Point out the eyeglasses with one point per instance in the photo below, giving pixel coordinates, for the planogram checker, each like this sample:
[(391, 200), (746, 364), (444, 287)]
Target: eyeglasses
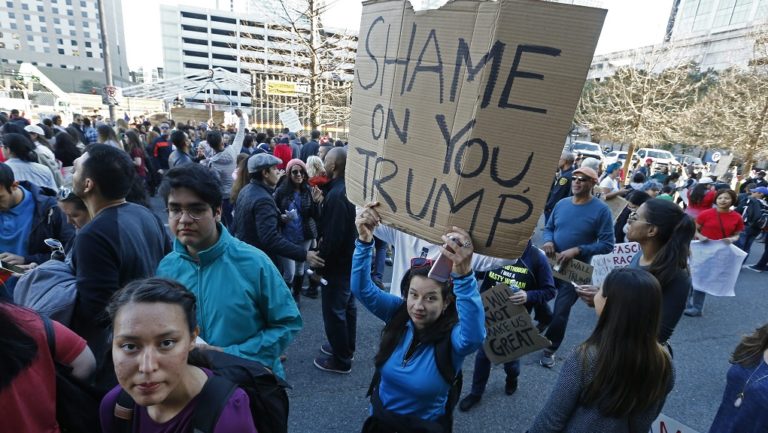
[(580, 179), (297, 173), (632, 218), (421, 262), (196, 213)]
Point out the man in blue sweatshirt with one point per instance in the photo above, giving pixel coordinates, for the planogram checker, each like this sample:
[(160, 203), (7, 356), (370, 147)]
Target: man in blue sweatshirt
[(579, 227)]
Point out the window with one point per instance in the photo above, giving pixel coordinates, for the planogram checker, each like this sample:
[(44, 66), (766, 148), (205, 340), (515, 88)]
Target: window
[(70, 12), (87, 45), (84, 14), (28, 27), (88, 54), (45, 39), (58, 31), (194, 41), (223, 20), (87, 35), (74, 43), (13, 26), (194, 28), (30, 38), (41, 18), (39, 8), (82, 4), (72, 33), (76, 53), (223, 32), (60, 41), (56, 21), (12, 15), (27, 17), (61, 50), (9, 4), (194, 15), (69, 2), (25, 6)]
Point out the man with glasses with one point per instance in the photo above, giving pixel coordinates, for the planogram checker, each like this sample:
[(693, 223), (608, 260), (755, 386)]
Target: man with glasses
[(579, 227), (257, 217), (123, 241), (244, 307)]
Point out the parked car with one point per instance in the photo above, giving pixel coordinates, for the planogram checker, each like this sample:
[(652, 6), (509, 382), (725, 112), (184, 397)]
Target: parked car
[(587, 149), (687, 160), (661, 158), (620, 156)]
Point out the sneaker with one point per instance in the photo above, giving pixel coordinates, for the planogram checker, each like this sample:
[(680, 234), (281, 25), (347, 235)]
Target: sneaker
[(510, 386), (326, 349), (547, 359), (755, 268), (329, 363), (692, 312), (467, 402)]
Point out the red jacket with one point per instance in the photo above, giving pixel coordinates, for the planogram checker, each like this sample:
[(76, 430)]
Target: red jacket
[(285, 153)]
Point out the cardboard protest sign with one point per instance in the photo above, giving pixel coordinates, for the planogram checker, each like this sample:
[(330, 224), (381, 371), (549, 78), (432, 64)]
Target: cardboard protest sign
[(459, 113), (616, 205), (723, 164), (665, 424), (509, 327), (620, 257), (573, 270)]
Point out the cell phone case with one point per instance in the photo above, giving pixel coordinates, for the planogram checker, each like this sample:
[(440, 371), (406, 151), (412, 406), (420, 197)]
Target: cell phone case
[(441, 269)]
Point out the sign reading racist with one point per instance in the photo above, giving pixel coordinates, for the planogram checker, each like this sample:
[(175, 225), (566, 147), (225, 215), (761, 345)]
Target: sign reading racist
[(509, 327), (620, 257), (459, 114)]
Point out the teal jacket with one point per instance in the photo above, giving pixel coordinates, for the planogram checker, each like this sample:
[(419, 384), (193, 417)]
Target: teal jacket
[(243, 304)]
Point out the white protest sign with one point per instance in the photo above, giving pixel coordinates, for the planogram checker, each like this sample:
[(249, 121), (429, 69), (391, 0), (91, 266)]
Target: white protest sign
[(459, 113), (665, 424), (620, 257), (290, 119), (715, 267)]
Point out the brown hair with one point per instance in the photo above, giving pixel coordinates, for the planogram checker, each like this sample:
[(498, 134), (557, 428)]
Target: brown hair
[(730, 192), (750, 350)]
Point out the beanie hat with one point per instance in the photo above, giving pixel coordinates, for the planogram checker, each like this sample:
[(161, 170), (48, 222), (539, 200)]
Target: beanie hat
[(295, 161)]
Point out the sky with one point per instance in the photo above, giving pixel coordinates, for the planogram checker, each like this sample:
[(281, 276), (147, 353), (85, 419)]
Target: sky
[(629, 24)]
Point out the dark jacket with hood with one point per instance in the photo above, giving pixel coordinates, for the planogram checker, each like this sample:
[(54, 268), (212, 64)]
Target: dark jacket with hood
[(47, 222)]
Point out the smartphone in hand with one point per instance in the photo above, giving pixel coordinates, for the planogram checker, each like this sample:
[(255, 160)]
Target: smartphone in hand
[(12, 268)]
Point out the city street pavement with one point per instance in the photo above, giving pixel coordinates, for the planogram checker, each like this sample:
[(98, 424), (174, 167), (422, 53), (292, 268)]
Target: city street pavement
[(327, 402)]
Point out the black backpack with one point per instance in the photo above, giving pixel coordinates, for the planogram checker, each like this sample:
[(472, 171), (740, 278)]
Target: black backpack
[(266, 392), (384, 420), (77, 403)]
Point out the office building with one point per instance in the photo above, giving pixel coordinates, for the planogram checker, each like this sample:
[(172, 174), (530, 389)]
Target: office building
[(63, 40)]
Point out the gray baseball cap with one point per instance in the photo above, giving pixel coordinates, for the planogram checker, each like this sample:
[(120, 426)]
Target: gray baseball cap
[(260, 161)]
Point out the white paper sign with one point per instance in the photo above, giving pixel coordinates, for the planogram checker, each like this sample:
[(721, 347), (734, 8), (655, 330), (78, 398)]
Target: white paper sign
[(290, 119), (665, 424), (715, 267), (620, 257)]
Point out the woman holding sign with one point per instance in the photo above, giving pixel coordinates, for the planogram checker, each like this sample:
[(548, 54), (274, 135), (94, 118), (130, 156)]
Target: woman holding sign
[(618, 380), (717, 224), (426, 337)]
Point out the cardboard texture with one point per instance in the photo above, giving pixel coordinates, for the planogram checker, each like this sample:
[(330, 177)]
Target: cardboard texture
[(723, 164), (290, 119), (459, 114), (509, 327), (573, 270), (616, 205)]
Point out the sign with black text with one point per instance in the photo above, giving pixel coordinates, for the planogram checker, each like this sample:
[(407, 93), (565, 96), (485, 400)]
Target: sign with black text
[(510, 333)]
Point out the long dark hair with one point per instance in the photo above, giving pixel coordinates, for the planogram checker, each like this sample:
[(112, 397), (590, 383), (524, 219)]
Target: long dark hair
[(285, 189), (17, 348), (632, 372), (21, 146), (750, 350), (133, 141), (698, 192), (675, 233), (395, 329)]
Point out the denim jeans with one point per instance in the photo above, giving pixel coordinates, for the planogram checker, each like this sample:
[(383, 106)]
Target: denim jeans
[(483, 371), (696, 300), (746, 238), (380, 249), (763, 262), (566, 297), (340, 317)]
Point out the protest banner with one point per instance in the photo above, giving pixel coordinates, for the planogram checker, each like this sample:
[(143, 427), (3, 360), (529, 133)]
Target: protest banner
[(459, 114), (665, 424), (290, 119), (510, 333), (616, 205), (715, 267), (620, 257), (573, 270), (723, 164)]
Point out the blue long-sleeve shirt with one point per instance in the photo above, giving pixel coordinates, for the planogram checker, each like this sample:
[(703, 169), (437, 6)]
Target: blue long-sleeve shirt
[(588, 226), (415, 386)]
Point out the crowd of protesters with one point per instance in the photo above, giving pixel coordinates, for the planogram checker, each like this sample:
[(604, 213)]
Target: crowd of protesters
[(258, 219)]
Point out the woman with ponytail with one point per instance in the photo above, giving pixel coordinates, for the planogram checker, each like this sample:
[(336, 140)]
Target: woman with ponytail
[(19, 152), (664, 233)]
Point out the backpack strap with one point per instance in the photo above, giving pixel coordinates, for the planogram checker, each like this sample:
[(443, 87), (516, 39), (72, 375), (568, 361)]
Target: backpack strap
[(50, 335), (211, 402)]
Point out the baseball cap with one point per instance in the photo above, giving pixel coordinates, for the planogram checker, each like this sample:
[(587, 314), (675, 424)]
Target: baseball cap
[(586, 171), (706, 180), (260, 161), (761, 189), (34, 129)]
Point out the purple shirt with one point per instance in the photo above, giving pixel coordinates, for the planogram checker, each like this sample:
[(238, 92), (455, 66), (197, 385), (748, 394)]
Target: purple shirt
[(235, 417)]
